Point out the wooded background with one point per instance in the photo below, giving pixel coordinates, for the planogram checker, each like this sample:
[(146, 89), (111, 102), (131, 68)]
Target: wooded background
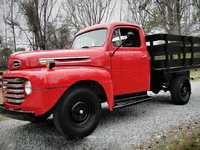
[(51, 24)]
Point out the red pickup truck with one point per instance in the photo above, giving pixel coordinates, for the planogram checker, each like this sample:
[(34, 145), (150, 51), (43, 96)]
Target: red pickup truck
[(112, 62)]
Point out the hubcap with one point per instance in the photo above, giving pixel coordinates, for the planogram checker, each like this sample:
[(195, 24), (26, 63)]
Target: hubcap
[(184, 89), (80, 112)]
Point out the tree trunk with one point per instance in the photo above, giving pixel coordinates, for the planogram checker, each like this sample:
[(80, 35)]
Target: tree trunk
[(13, 26), (178, 16)]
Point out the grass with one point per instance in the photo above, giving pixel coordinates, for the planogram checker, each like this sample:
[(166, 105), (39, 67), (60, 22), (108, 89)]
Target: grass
[(184, 137), (2, 118), (0, 78), (195, 74)]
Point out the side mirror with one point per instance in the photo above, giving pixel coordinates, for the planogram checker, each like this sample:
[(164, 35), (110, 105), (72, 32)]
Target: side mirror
[(130, 34)]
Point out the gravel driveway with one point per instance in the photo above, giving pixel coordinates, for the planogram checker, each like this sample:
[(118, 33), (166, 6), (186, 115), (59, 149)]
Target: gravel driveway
[(120, 129)]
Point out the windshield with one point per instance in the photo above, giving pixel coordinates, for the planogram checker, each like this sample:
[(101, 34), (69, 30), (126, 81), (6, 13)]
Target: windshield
[(94, 38)]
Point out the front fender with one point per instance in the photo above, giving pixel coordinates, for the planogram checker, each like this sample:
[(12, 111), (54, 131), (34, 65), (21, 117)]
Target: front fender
[(43, 96), (66, 77), (48, 85)]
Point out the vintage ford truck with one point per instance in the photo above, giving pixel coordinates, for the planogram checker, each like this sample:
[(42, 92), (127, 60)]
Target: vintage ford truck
[(112, 62)]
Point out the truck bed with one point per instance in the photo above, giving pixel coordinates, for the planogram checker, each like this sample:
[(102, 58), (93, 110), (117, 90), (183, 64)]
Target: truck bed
[(173, 53)]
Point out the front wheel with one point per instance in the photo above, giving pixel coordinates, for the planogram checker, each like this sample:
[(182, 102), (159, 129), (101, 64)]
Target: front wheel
[(78, 112), (180, 90)]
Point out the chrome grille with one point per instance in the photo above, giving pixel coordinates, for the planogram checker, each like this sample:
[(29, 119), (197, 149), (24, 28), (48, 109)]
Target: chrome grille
[(16, 63), (13, 90)]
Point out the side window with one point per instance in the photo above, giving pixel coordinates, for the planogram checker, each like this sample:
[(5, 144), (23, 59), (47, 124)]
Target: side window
[(120, 34)]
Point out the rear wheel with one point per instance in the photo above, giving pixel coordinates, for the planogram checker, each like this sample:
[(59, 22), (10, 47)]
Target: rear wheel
[(180, 89), (78, 112)]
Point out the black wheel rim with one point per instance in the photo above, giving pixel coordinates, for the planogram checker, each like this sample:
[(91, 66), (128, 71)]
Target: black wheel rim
[(184, 90), (80, 112)]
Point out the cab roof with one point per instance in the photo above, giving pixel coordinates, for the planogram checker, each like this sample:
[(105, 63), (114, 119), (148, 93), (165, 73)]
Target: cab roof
[(108, 25)]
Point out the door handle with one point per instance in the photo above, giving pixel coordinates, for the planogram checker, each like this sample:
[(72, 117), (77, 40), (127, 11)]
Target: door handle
[(144, 56)]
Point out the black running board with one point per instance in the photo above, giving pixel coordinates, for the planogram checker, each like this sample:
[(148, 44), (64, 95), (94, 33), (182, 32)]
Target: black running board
[(125, 102)]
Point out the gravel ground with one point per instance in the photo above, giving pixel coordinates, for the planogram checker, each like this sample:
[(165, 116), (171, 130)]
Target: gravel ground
[(120, 129)]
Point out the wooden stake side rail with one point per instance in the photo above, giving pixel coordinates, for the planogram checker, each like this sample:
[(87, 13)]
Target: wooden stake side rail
[(172, 53)]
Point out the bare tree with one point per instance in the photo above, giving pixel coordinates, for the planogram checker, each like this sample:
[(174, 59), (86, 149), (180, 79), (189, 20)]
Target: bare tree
[(1, 39), (4, 55), (12, 23), (41, 17), (59, 39), (84, 13), (174, 16), (142, 13), (10, 18), (196, 15)]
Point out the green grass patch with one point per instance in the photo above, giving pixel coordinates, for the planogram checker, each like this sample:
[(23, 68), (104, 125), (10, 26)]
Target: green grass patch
[(0, 78), (195, 74), (184, 137)]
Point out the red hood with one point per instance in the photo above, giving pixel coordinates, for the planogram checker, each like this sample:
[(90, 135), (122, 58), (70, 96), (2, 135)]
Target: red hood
[(86, 57)]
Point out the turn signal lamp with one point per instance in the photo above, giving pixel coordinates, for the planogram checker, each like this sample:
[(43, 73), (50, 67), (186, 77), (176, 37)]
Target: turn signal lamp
[(50, 64)]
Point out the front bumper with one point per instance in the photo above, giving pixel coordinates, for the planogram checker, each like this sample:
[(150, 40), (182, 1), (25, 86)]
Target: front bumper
[(17, 114)]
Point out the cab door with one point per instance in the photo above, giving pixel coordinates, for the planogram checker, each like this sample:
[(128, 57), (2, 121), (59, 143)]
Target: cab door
[(130, 64)]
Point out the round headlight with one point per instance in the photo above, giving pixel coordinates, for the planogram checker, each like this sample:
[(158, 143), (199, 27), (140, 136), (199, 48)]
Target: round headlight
[(28, 87)]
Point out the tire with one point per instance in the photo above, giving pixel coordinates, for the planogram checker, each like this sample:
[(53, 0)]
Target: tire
[(155, 90), (78, 112), (42, 117), (180, 90)]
